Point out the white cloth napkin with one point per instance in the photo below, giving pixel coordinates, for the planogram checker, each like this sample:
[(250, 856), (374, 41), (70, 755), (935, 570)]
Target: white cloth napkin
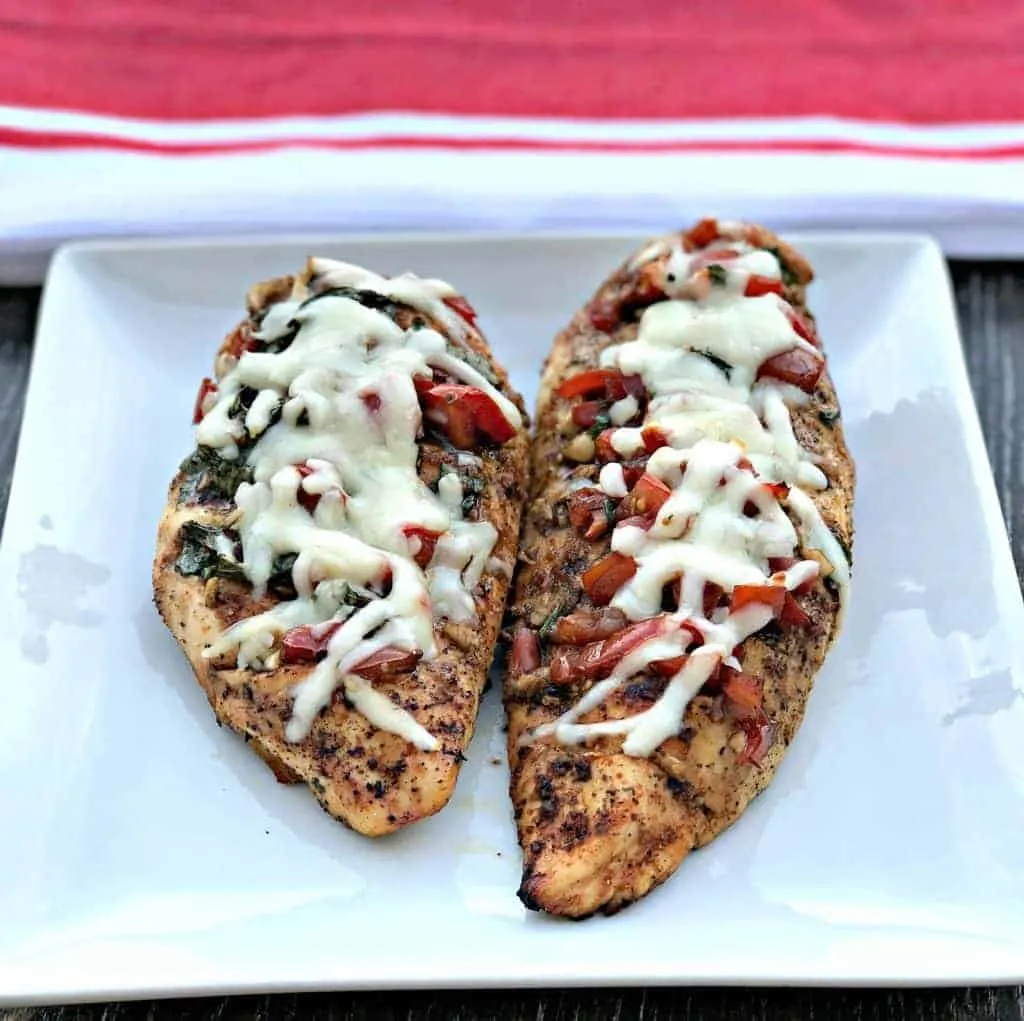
[(964, 185)]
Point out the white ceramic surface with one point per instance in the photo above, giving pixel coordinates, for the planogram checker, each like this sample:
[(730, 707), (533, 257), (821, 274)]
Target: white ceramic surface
[(145, 851)]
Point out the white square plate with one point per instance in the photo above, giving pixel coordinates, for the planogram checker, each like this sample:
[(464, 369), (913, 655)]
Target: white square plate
[(146, 852)]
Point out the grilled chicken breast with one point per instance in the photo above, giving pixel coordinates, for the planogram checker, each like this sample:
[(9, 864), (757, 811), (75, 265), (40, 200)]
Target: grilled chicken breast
[(335, 555), (684, 563)]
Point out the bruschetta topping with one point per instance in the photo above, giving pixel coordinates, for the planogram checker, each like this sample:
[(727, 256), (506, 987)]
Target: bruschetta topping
[(323, 403), (699, 488)]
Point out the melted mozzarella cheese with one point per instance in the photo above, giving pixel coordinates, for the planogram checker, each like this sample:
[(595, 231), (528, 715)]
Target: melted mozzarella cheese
[(612, 480), (623, 410), (818, 536), (728, 433), (675, 337), (350, 416)]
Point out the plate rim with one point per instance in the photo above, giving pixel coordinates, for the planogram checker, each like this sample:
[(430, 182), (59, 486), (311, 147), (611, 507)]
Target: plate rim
[(988, 500)]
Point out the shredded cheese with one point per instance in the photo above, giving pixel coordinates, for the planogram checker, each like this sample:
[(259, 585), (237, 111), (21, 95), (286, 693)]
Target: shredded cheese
[(336, 417), (729, 433)]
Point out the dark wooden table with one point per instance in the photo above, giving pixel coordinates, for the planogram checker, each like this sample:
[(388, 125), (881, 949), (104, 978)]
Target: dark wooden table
[(990, 300)]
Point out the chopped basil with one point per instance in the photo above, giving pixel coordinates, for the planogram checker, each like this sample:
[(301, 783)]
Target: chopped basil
[(549, 624), (276, 345), (281, 583), (356, 596), (472, 489), (368, 299), (242, 402), (719, 275), (719, 363), (843, 544), (474, 360), (472, 486), (602, 422), (829, 416), (210, 477), (200, 557), (609, 512)]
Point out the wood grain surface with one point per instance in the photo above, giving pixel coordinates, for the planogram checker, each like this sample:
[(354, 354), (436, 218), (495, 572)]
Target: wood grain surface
[(990, 303)]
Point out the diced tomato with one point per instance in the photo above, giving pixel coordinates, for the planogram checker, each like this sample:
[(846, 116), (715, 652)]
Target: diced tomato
[(300, 645), (780, 565), (797, 366), (772, 596), (701, 235), (774, 490), (205, 388), (599, 659), (744, 694), (604, 656), (305, 499), (712, 597), (632, 470), (713, 593), (591, 383), (464, 413), (525, 651), (606, 384), (583, 626), (564, 664), (711, 255), (802, 327), (427, 541), (604, 451), (604, 315), (461, 307), (648, 496), (588, 512), (757, 285), (387, 662), (487, 416), (241, 341), (371, 399), (585, 415), (696, 635), (782, 604), (632, 386), (669, 667), (582, 503), (643, 521), (760, 733), (793, 614), (654, 438), (442, 408), (607, 576), (645, 289)]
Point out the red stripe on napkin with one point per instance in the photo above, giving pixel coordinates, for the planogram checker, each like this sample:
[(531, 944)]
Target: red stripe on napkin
[(791, 146), (915, 61)]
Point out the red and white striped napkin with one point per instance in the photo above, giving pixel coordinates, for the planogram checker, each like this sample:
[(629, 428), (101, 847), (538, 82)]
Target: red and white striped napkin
[(131, 117)]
